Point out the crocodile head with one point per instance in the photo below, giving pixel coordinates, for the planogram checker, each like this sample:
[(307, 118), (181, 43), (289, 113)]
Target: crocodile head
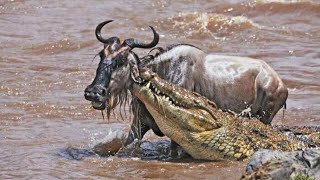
[(201, 129), (179, 113), (164, 99)]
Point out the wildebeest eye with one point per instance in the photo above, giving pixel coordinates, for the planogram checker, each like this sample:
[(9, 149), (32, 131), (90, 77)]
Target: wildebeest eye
[(119, 60)]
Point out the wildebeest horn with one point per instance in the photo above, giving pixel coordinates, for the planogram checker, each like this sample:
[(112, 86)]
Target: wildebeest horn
[(134, 43), (98, 32)]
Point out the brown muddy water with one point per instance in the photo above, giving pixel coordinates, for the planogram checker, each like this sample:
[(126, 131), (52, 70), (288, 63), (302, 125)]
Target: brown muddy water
[(46, 52)]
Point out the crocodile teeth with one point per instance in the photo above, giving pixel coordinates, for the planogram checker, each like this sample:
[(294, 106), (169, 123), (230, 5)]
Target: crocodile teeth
[(165, 98), (148, 85)]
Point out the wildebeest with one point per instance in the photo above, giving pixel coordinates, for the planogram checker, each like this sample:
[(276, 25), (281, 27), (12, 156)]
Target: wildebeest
[(242, 85)]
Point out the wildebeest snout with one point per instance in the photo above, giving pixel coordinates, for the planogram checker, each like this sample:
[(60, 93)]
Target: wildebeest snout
[(95, 93)]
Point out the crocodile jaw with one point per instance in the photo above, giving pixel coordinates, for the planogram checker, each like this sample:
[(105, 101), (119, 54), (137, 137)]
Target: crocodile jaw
[(178, 123), (186, 117)]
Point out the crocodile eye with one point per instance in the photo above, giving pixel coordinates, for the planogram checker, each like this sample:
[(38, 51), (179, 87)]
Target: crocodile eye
[(212, 103)]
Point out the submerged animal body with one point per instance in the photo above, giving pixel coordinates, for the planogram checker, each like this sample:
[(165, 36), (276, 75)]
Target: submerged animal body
[(203, 130), (238, 84)]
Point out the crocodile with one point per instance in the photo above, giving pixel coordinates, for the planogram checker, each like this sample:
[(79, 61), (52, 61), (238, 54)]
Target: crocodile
[(203, 130)]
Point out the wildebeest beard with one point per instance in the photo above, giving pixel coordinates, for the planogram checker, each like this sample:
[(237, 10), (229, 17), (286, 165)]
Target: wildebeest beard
[(121, 99)]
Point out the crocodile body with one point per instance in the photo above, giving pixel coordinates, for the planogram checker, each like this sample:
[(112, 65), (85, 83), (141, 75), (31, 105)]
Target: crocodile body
[(201, 129)]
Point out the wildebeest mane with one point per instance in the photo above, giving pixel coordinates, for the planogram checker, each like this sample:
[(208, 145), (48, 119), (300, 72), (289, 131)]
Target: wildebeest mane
[(180, 44), (122, 98), (148, 58)]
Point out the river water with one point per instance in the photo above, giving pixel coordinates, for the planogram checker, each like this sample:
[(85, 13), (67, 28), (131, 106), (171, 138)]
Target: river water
[(46, 52)]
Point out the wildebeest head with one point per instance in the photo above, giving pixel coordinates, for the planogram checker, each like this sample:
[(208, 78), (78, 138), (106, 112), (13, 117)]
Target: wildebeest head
[(117, 64)]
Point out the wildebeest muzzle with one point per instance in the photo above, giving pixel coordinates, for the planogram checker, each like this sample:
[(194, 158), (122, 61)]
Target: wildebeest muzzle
[(96, 92)]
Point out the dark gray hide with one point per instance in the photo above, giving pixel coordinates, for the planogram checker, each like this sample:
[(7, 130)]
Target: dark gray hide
[(268, 164)]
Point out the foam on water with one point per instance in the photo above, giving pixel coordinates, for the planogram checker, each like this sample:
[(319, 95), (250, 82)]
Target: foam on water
[(212, 24)]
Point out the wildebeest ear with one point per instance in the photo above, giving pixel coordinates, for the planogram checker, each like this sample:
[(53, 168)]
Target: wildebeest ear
[(146, 60)]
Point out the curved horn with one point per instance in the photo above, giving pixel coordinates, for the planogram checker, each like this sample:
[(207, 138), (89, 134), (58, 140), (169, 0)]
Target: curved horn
[(98, 32), (134, 43)]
